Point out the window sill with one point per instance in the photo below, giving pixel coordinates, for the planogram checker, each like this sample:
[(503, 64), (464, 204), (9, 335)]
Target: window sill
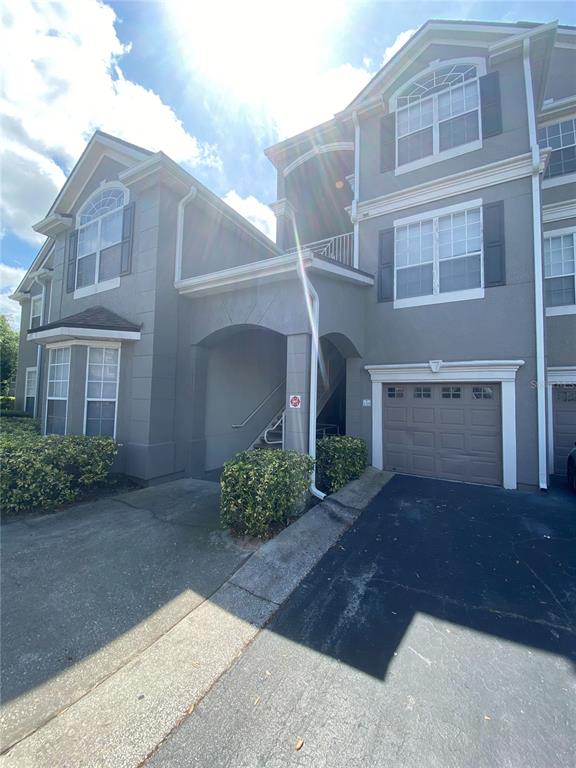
[(440, 298), (557, 181), (446, 155), (90, 290), (568, 309)]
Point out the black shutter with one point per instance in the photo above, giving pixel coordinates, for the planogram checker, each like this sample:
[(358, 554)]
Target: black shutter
[(127, 238), (71, 252), (491, 105), (494, 245), (388, 143), (386, 265)]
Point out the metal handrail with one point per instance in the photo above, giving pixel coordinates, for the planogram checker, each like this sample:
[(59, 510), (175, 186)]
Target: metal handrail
[(338, 248), (260, 405), (273, 428)]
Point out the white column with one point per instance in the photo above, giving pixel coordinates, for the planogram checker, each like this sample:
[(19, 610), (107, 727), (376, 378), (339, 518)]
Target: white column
[(377, 448), (509, 434)]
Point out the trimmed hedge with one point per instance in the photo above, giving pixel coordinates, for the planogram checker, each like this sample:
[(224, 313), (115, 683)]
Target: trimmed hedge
[(10, 413), (19, 425), (42, 473), (262, 490), (339, 460), (7, 402)]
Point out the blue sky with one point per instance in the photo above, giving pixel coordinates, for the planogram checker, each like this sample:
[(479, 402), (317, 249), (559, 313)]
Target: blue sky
[(210, 83)]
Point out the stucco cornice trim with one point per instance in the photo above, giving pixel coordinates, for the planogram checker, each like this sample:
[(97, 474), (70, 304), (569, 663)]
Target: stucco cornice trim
[(53, 225), (563, 374), (460, 183), (559, 211), (60, 334), (441, 371)]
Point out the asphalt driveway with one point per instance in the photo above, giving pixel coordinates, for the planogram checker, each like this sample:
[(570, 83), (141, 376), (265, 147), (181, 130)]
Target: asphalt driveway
[(87, 589), (439, 631)]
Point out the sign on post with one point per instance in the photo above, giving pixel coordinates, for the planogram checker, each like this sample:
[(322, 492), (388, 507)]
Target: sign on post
[(295, 401)]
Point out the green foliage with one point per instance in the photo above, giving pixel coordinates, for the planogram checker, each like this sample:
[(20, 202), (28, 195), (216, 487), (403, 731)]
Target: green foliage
[(42, 473), (18, 423), (8, 355), (339, 460), (7, 402), (263, 489)]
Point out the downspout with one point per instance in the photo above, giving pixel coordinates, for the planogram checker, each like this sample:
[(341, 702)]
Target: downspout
[(180, 232), (313, 306), (538, 275), (356, 189)]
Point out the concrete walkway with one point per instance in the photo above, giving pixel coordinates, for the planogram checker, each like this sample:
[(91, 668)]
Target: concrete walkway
[(117, 716)]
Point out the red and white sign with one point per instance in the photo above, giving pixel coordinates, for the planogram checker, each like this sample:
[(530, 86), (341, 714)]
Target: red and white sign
[(295, 401)]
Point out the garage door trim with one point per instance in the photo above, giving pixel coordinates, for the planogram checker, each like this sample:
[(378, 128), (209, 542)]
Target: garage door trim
[(501, 372)]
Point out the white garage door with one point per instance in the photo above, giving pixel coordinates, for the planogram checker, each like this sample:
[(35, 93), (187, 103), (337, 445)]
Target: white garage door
[(564, 425), (450, 431)]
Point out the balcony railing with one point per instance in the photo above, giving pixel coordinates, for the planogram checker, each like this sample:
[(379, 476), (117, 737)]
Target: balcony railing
[(339, 248)]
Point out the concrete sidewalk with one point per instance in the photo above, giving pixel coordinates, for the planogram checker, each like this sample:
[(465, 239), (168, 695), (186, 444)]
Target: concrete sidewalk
[(122, 720)]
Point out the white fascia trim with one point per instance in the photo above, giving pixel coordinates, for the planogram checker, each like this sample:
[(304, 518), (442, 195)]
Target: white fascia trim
[(460, 183), (438, 371), (80, 343), (337, 146), (439, 298), (275, 267), (152, 165), (569, 309), (559, 181), (53, 225), (333, 268), (462, 149), (512, 42), (90, 290), (55, 334), (558, 211)]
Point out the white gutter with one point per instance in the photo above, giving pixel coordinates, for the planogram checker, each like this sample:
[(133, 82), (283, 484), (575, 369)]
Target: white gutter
[(356, 189), (538, 276), (313, 307), (180, 232)]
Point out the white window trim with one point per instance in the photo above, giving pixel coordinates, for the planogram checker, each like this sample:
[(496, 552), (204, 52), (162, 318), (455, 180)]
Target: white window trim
[(559, 181), (501, 372), (441, 298), (107, 285), (38, 298), (90, 290), (555, 376), (99, 400), (26, 395), (567, 309), (62, 346), (437, 156)]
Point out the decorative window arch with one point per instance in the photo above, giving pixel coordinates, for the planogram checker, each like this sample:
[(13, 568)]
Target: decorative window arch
[(438, 113), (99, 229)]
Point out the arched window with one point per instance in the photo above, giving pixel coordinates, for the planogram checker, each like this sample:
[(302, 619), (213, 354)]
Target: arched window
[(436, 112), (100, 236)]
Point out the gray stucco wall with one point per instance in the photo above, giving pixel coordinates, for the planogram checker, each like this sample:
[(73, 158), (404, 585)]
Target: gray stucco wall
[(512, 141), (562, 74), (500, 326)]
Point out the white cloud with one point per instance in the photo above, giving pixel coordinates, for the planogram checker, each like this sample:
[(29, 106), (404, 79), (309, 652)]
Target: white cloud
[(277, 59), (252, 209), (400, 41), (61, 80), (10, 278)]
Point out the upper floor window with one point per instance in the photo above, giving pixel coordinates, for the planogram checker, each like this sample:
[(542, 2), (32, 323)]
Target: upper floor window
[(437, 255), (561, 138), (100, 237), (437, 112), (560, 272), (36, 311)]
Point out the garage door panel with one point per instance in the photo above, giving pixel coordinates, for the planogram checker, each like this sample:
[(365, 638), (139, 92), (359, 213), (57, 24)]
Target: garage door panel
[(452, 416), (564, 404), (455, 433)]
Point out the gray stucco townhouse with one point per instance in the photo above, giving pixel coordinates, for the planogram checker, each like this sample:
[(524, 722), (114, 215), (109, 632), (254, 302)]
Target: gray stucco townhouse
[(425, 234)]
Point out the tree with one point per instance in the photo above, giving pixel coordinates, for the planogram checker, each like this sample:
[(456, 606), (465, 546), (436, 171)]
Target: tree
[(8, 355)]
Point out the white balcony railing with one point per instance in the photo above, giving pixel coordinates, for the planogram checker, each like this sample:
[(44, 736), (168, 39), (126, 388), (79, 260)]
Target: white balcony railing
[(339, 248)]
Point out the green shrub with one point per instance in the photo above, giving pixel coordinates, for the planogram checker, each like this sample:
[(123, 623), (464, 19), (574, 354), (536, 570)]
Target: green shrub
[(7, 402), (18, 425), (339, 460), (42, 473), (263, 489), (10, 413)]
